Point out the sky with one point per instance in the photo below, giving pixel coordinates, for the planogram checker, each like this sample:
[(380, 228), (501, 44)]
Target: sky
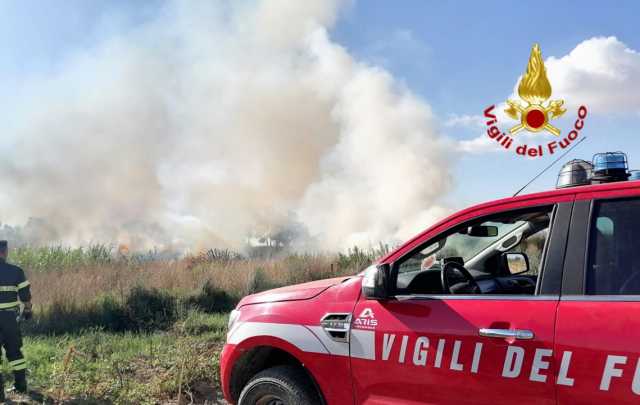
[(464, 56), (456, 57)]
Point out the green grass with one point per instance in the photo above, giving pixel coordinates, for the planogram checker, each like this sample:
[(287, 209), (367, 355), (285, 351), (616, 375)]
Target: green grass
[(61, 257), (128, 368)]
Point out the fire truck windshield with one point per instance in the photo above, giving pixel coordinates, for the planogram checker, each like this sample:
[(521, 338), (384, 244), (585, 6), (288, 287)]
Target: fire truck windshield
[(461, 244)]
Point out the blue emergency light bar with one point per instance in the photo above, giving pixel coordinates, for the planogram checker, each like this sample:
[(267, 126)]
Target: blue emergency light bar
[(610, 167), (604, 163)]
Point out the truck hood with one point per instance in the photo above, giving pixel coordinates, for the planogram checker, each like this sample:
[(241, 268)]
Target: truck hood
[(296, 292)]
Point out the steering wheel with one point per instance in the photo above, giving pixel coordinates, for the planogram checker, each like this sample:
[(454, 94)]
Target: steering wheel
[(444, 276)]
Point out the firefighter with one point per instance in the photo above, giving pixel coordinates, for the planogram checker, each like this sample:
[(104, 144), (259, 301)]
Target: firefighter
[(14, 288)]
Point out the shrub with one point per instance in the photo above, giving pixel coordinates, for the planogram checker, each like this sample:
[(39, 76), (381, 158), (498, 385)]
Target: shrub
[(211, 299), (260, 282), (110, 314), (150, 309), (213, 256), (63, 316)]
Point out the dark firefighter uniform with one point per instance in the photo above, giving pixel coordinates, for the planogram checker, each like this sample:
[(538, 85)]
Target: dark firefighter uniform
[(13, 287)]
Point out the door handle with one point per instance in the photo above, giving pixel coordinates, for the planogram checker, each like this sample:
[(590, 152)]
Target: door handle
[(507, 334)]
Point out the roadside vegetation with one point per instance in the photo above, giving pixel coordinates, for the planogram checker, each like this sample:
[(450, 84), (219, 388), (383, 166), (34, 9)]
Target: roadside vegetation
[(114, 327)]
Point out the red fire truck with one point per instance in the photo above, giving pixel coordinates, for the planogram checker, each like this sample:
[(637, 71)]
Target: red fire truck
[(530, 299)]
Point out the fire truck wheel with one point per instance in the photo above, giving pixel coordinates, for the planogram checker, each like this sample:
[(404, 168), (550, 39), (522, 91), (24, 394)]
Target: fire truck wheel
[(282, 385)]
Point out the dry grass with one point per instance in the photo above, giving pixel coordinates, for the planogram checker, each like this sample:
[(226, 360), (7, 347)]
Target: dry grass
[(98, 287), (83, 283)]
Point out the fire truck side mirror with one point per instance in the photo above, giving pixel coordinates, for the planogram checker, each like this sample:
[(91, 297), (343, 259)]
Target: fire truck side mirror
[(375, 284)]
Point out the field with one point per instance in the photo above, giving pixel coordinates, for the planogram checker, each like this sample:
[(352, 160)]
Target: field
[(112, 327)]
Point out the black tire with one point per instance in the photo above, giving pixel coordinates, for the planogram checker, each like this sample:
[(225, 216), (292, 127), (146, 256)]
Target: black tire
[(282, 385)]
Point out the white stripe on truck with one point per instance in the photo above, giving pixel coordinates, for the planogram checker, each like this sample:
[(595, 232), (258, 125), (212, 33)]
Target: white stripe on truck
[(311, 339), (363, 344), (335, 348), (297, 335)]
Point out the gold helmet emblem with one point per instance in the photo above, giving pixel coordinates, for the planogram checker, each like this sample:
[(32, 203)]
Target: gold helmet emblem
[(535, 90)]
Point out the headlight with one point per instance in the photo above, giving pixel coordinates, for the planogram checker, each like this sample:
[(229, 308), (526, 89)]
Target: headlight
[(233, 317)]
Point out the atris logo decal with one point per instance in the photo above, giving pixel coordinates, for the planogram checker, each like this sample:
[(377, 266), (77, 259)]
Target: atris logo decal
[(366, 320), (535, 113)]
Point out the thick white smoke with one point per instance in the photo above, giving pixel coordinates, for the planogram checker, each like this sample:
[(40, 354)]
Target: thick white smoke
[(215, 120)]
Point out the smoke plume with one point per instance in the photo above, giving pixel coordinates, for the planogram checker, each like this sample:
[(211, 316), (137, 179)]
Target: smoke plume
[(215, 120)]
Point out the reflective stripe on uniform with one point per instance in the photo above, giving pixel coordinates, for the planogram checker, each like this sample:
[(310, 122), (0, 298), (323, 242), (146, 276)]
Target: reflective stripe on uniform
[(7, 305), (13, 288), (17, 365)]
